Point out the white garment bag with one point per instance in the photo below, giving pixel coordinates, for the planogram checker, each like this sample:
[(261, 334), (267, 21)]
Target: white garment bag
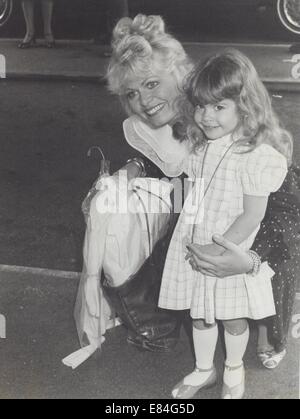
[(125, 222)]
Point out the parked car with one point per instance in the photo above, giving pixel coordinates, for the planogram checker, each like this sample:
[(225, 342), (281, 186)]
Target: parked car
[(268, 19)]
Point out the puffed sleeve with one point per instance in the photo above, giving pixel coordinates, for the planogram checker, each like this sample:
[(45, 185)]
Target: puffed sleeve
[(262, 171)]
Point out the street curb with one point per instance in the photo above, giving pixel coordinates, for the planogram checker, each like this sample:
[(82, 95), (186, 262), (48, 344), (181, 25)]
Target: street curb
[(277, 85), (98, 79), (286, 86), (53, 273)]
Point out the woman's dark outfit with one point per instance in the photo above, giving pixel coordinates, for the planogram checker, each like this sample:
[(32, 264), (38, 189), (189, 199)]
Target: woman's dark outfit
[(278, 243)]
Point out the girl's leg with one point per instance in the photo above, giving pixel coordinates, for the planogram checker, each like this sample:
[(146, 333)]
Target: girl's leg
[(28, 10), (236, 341), (47, 12), (205, 340)]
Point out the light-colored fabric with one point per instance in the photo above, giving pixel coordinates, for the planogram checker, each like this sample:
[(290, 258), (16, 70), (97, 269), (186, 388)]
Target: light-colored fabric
[(157, 145), (262, 171), (127, 239), (92, 311), (236, 296), (125, 222), (236, 346), (205, 342)]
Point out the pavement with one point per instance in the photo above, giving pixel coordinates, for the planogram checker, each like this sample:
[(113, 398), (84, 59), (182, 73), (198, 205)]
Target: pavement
[(38, 304), (85, 60), (31, 355)]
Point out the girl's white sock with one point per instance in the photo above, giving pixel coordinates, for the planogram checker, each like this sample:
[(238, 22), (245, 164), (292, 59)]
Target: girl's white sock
[(205, 342), (236, 346)]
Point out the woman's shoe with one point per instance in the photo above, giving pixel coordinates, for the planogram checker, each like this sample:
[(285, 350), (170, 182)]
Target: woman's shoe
[(236, 392), (31, 42), (187, 391), (49, 41), (271, 359)]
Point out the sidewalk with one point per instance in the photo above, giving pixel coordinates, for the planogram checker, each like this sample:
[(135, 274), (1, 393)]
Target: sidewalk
[(41, 332), (83, 60)]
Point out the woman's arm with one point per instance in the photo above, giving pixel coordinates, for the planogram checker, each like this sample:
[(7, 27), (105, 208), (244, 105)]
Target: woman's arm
[(132, 168), (249, 220), (151, 170), (243, 226), (283, 213), (233, 260)]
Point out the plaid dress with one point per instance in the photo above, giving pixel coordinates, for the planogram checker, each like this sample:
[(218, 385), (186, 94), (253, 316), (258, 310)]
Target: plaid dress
[(257, 173)]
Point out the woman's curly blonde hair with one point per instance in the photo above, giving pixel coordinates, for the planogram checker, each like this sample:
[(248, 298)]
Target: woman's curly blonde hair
[(140, 45)]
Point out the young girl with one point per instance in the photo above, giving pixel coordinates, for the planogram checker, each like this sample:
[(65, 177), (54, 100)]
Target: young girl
[(242, 154)]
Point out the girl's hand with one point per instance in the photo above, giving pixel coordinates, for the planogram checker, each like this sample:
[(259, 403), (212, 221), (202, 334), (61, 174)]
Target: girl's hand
[(232, 260)]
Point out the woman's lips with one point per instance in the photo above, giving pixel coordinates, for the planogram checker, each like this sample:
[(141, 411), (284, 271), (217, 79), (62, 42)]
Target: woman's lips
[(153, 111), (210, 126)]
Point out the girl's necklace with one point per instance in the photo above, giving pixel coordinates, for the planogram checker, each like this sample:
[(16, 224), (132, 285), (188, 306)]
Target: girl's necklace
[(212, 177)]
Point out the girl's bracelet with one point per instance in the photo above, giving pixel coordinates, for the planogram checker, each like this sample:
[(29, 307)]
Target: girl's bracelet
[(139, 162), (256, 263)]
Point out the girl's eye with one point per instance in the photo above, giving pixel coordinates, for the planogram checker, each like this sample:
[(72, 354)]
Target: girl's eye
[(219, 107), (131, 95), (152, 84)]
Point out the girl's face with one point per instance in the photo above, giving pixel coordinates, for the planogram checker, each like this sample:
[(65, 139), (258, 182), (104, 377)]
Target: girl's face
[(152, 98), (217, 120)]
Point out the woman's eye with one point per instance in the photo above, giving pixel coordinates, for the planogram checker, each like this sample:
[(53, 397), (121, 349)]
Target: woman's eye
[(219, 107), (152, 84), (131, 95)]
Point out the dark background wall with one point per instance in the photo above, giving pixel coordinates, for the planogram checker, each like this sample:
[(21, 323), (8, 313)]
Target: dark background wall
[(189, 19)]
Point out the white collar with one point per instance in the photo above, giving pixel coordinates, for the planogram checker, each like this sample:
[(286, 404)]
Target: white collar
[(222, 140), (158, 145)]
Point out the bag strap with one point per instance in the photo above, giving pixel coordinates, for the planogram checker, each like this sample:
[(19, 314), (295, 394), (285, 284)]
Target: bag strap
[(135, 191), (212, 177)]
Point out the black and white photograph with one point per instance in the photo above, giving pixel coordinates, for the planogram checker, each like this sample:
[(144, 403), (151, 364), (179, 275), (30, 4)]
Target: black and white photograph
[(150, 202)]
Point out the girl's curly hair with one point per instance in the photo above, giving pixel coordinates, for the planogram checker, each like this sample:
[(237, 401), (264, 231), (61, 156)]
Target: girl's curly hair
[(231, 75)]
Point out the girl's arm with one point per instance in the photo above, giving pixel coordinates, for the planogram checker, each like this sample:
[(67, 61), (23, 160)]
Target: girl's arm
[(244, 225), (249, 220), (283, 213)]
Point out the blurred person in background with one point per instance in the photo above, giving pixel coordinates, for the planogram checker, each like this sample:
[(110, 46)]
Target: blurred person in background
[(28, 7), (113, 10)]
